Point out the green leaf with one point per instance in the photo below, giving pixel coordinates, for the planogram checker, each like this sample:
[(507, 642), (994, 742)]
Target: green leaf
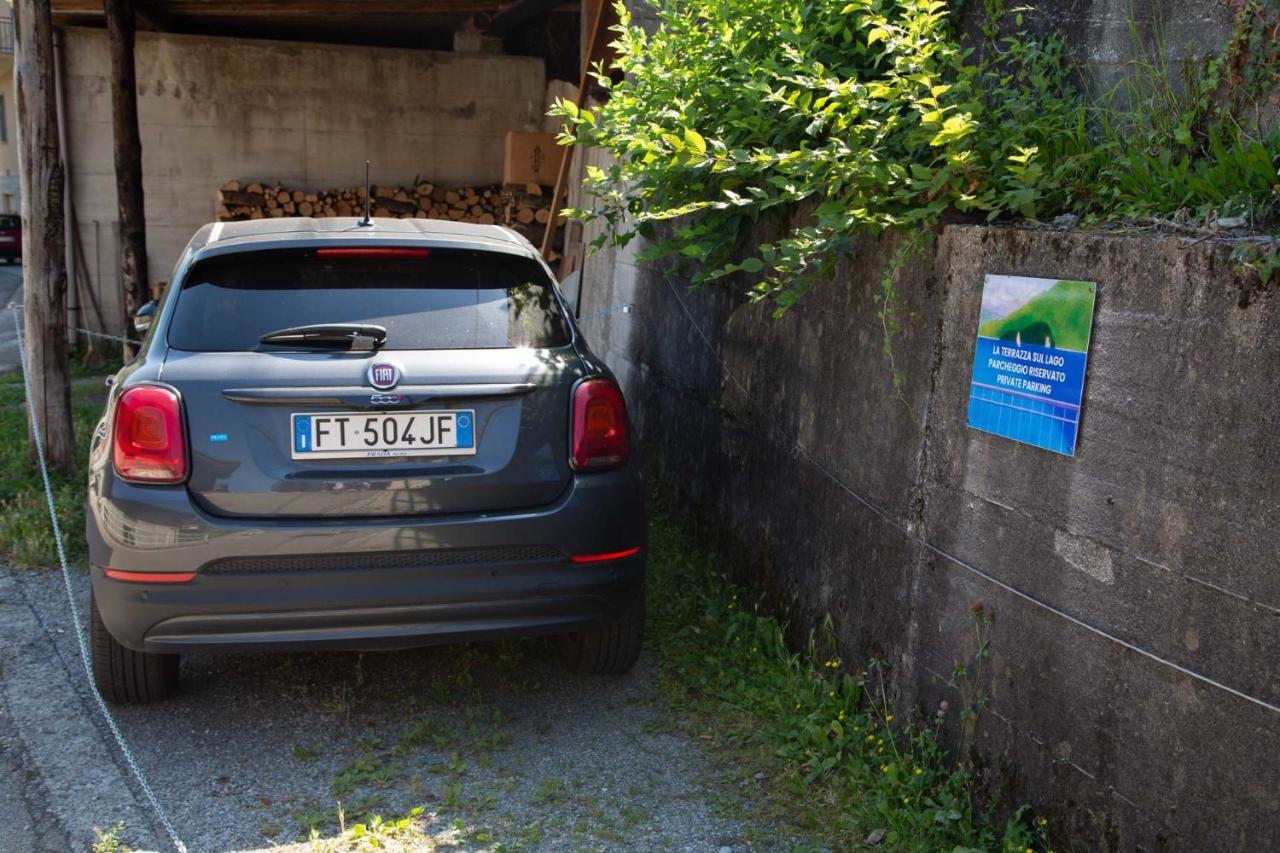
[(751, 265), (695, 141)]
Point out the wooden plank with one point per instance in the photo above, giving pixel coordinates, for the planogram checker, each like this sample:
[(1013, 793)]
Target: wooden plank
[(598, 33), (44, 272)]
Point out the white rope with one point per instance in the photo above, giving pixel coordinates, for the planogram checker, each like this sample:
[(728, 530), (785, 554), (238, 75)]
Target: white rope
[(129, 758), (906, 531)]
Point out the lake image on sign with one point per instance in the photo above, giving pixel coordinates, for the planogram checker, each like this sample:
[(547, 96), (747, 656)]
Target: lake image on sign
[(1029, 361)]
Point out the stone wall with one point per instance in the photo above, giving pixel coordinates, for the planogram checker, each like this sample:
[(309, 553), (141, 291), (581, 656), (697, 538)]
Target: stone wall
[(1136, 587), (307, 115)]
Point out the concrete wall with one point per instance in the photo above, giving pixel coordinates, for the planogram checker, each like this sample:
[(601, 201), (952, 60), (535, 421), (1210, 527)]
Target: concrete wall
[(1136, 588), (307, 115), (1107, 36)]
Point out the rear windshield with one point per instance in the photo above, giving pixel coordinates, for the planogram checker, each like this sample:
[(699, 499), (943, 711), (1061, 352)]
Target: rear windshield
[(449, 299), (8, 223)]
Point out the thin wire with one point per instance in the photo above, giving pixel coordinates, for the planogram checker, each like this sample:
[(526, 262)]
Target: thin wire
[(71, 598), (922, 542)]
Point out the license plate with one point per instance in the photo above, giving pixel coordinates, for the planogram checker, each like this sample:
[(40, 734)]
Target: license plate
[(4, 239), (343, 436)]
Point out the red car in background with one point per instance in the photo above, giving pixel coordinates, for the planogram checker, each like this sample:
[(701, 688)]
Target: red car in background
[(10, 237)]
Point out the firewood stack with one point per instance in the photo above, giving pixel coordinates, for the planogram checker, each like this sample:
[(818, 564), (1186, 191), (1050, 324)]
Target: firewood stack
[(526, 211)]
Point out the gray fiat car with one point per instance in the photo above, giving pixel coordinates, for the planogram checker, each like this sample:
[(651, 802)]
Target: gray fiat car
[(349, 436)]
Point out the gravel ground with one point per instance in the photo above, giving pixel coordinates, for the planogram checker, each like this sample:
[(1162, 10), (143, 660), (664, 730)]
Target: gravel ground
[(498, 743)]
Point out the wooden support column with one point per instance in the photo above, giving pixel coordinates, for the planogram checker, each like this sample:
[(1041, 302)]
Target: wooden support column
[(134, 282), (44, 272), (595, 44)]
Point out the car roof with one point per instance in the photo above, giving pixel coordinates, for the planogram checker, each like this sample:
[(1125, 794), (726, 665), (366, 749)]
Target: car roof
[(286, 231)]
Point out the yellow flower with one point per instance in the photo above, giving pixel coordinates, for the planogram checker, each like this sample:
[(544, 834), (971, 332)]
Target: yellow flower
[(889, 719), (831, 694), (870, 738), (842, 715), (918, 771), (906, 800), (884, 768)]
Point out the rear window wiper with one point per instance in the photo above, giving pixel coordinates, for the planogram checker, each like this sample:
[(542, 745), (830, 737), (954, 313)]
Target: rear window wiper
[(326, 334)]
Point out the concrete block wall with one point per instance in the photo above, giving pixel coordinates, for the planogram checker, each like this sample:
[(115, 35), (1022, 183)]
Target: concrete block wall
[(307, 115), (1136, 587)]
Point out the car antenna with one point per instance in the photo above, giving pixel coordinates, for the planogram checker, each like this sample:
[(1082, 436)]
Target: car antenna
[(366, 220)]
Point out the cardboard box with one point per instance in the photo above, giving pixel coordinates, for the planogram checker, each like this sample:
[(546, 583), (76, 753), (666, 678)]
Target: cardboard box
[(531, 158)]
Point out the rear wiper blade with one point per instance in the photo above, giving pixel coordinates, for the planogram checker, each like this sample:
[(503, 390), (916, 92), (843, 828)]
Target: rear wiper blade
[(326, 333)]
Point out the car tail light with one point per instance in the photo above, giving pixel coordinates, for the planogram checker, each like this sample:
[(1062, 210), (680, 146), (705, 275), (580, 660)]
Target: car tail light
[(149, 446), (599, 426)]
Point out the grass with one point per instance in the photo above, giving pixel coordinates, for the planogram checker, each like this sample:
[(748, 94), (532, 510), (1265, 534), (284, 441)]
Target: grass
[(821, 741), (26, 537)]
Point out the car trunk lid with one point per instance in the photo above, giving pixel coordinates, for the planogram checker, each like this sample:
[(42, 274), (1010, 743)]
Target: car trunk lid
[(240, 398)]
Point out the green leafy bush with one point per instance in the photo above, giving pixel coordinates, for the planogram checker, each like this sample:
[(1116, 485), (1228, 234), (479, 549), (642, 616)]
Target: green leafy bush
[(734, 108), (861, 117)]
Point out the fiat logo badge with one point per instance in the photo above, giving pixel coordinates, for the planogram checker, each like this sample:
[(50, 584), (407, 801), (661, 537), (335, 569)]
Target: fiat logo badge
[(384, 375)]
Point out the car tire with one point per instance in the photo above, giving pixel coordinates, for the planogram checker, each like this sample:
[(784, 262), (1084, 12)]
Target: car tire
[(612, 648), (123, 676)]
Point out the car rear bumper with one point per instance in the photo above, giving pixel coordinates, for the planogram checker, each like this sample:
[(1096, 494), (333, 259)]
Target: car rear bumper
[(364, 583)]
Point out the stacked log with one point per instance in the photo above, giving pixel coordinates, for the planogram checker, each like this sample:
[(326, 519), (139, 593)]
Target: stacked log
[(527, 210)]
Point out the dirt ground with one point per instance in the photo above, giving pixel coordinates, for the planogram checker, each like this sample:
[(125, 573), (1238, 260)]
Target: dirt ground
[(500, 745)]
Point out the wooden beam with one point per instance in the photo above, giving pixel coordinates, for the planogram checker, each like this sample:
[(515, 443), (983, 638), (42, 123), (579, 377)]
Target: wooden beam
[(44, 272), (594, 45), (128, 151)]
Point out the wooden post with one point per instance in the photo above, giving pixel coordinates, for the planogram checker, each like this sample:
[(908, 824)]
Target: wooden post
[(594, 45), (44, 272), (127, 141)]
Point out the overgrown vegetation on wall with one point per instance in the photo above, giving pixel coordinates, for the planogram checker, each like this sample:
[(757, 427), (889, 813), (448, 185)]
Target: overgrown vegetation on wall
[(875, 114)]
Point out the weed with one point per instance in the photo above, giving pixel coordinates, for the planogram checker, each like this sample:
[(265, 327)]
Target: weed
[(306, 753), (363, 772), (551, 791), (452, 800), (109, 841), (312, 817), (375, 834)]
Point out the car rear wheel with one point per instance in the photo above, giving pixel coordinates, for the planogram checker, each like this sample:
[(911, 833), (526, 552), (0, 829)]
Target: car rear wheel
[(124, 676), (612, 648)]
